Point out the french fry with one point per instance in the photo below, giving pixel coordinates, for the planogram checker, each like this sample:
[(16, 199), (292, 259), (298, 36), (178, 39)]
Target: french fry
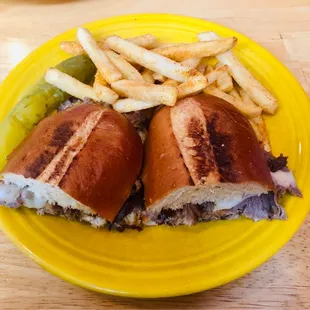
[(162, 44), (109, 72), (72, 48), (247, 99), (147, 41), (130, 105), (159, 77), (198, 49), (149, 59), (156, 94), (104, 93), (99, 80), (148, 76), (128, 71), (70, 85), (211, 90), (248, 111), (258, 93), (75, 48), (209, 69), (224, 81), (170, 82), (191, 63), (196, 83), (202, 66), (235, 94), (259, 126), (215, 74)]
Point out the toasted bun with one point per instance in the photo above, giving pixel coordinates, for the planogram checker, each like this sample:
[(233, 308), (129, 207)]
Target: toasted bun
[(87, 157), (206, 142)]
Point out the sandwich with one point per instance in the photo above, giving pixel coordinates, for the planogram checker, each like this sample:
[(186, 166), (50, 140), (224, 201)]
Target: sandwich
[(203, 162), (82, 163)]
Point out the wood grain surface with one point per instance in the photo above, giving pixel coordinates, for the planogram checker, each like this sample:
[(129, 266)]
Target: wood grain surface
[(281, 26)]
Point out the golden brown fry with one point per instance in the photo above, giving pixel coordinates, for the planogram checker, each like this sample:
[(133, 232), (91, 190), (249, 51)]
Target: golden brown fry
[(104, 93), (202, 66), (195, 84), (224, 81), (131, 105), (215, 74), (99, 80), (149, 59), (159, 77), (259, 94), (209, 69), (148, 76), (70, 85), (197, 49), (170, 82), (161, 44), (191, 63), (128, 71), (235, 94), (247, 99), (211, 90), (109, 72), (259, 126), (147, 41), (157, 94), (248, 111), (72, 48)]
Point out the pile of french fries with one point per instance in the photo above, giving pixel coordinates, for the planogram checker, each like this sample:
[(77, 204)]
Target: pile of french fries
[(141, 73)]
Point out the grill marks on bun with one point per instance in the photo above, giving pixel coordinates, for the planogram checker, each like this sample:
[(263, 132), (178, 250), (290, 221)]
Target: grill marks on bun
[(86, 158), (190, 130), (222, 145), (212, 138), (59, 165)]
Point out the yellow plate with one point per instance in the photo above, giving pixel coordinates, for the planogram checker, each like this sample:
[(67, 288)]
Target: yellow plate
[(163, 261)]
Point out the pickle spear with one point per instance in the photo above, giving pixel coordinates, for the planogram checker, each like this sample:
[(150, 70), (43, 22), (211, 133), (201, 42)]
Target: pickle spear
[(38, 102)]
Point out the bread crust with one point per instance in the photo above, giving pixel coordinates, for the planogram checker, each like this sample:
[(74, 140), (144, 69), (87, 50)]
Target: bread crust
[(164, 169), (102, 173), (236, 151)]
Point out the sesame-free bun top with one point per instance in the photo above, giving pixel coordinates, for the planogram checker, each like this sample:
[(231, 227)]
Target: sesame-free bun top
[(91, 153), (202, 149)]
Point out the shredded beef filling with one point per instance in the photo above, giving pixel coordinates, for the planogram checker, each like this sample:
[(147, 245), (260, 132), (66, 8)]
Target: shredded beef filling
[(72, 101), (256, 208), (276, 163), (282, 176), (141, 121), (71, 214), (130, 216)]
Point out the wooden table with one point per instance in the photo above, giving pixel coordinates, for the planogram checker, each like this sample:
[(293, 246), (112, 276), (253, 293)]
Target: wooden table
[(283, 27)]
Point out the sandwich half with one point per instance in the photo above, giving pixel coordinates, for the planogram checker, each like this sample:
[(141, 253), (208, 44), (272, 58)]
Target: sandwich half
[(81, 163), (203, 162)]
